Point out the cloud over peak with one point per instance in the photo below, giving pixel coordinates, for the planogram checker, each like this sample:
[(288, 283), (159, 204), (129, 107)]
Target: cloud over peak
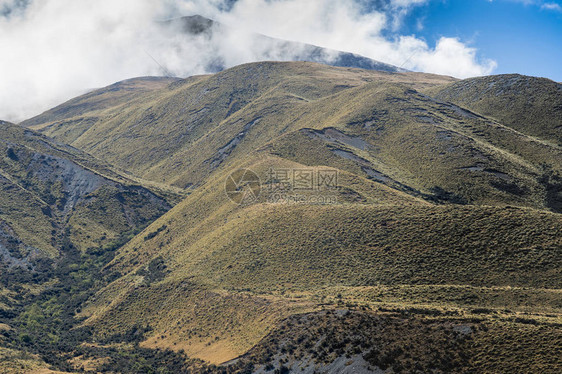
[(53, 50)]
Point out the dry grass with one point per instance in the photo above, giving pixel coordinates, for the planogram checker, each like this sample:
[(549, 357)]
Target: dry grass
[(16, 362), (527, 104)]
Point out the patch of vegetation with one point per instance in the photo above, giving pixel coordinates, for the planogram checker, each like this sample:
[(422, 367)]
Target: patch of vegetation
[(153, 234), (552, 182), (44, 321), (401, 344)]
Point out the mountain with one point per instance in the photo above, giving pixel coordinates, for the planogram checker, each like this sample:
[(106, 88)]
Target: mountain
[(353, 119), (216, 276), (333, 219), (274, 49), (52, 192)]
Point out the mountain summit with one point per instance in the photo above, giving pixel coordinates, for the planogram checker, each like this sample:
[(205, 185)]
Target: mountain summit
[(276, 49)]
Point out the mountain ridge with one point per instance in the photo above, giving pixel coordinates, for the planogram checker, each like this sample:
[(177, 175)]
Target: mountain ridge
[(534, 100), (223, 121)]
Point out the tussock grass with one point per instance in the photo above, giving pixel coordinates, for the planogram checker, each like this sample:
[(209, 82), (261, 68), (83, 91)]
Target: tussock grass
[(530, 105)]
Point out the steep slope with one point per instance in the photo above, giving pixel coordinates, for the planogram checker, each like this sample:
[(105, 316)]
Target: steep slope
[(52, 193), (212, 277), (345, 341), (63, 214), (188, 110), (530, 105)]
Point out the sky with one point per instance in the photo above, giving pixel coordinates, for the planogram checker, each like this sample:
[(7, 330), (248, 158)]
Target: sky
[(522, 36), (53, 50)]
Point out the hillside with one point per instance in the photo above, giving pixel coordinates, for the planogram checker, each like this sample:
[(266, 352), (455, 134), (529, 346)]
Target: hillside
[(208, 121), (337, 219), (52, 192), (213, 265), (530, 105), (58, 202), (63, 213), (192, 108)]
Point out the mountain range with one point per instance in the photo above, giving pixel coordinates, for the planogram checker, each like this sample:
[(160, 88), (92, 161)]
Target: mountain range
[(286, 217)]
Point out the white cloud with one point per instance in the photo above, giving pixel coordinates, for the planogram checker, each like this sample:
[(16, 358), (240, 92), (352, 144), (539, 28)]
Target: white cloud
[(449, 57), (552, 6), (57, 49), (545, 5), (340, 25), (407, 3)]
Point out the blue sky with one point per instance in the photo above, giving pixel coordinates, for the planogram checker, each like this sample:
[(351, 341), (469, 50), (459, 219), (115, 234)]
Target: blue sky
[(521, 36)]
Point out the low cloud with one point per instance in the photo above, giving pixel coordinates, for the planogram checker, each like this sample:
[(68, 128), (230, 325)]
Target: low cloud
[(52, 50)]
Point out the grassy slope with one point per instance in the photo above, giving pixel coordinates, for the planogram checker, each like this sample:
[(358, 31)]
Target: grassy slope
[(213, 278), (16, 362), (187, 111), (440, 146), (206, 121), (188, 323), (389, 249), (530, 105)]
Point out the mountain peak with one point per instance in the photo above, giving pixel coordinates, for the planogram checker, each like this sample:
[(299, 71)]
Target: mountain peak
[(195, 24), (280, 49)]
